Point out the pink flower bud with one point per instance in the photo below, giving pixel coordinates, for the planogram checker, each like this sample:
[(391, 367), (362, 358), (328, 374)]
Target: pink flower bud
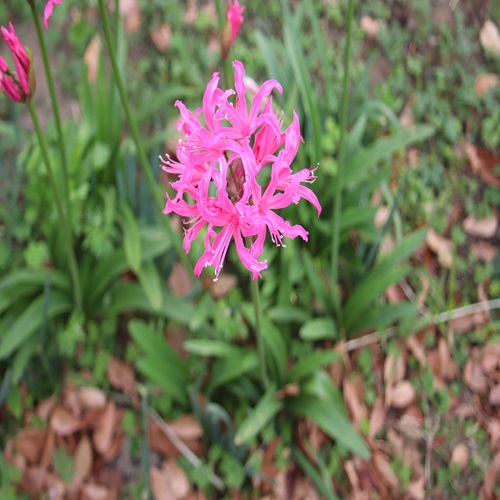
[(235, 19), (17, 85)]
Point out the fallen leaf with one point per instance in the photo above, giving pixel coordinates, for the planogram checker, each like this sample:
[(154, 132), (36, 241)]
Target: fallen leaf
[(131, 13), (494, 398), (161, 36), (44, 409), (490, 479), (103, 433), (223, 285), (187, 427), (64, 423), (92, 491), (490, 38), (483, 163), (406, 118), (83, 458), (460, 456), (370, 26), (169, 482), (474, 377), (91, 397), (389, 477), (377, 417), (484, 252), (121, 376), (485, 82), (402, 395), (29, 443), (179, 281), (483, 228), (353, 403), (440, 246), (394, 368), (91, 57), (448, 367), (416, 489), (494, 432), (34, 481), (381, 216), (410, 426), (48, 448)]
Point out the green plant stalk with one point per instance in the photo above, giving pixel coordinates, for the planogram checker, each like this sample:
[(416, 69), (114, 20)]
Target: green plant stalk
[(55, 108), (137, 140), (73, 269), (258, 332), (337, 200), (146, 466)]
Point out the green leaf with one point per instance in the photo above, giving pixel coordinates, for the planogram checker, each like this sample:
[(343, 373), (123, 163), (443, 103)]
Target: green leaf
[(150, 282), (276, 349), (215, 348), (331, 420), (131, 238), (369, 290), (287, 314), (362, 161), (131, 297), (22, 357), (31, 320), (312, 363), (228, 369), (356, 216), (318, 329), (266, 409)]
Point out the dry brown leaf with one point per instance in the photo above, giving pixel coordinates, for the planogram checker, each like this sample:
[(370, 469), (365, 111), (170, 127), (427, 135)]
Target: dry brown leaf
[(494, 432), (83, 458), (448, 367), (395, 294), (63, 423), (131, 13), (485, 82), (406, 118), (494, 398), (377, 418), (91, 397), (483, 228), (353, 403), (121, 376), (490, 38), (92, 491), (91, 57), (417, 349), (370, 26), (474, 377), (410, 426), (187, 428), (29, 443), (48, 448), (491, 478), (394, 368), (34, 481), (403, 394), (484, 252), (416, 489), (179, 281), (352, 475), (381, 216), (460, 456), (161, 36), (45, 408), (191, 12), (441, 246), (483, 162), (389, 477), (223, 285), (103, 433), (169, 482)]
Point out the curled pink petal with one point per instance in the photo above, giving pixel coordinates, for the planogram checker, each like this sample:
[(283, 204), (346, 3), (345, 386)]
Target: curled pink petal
[(49, 9)]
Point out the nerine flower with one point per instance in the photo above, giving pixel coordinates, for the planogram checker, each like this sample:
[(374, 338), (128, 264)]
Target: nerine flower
[(234, 172), (49, 9), (18, 85), (234, 17)]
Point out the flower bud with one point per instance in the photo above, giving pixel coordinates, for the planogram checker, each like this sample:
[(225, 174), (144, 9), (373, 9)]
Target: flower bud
[(234, 20)]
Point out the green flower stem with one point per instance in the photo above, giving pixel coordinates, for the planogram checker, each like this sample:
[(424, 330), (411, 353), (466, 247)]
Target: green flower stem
[(55, 108), (258, 332), (337, 200), (146, 167), (73, 269)]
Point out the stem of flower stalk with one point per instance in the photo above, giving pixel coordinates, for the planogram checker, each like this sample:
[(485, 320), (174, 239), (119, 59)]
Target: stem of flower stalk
[(146, 168), (258, 332), (73, 269), (337, 200), (55, 107)]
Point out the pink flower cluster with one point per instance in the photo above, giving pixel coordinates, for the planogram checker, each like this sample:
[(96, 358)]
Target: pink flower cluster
[(17, 85), (234, 172)]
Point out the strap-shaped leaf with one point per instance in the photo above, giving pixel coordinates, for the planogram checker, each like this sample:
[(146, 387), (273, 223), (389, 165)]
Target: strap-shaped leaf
[(266, 409)]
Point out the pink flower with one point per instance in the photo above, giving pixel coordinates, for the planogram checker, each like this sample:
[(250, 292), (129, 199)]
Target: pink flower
[(233, 173), (47, 12), (18, 85), (235, 17)]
